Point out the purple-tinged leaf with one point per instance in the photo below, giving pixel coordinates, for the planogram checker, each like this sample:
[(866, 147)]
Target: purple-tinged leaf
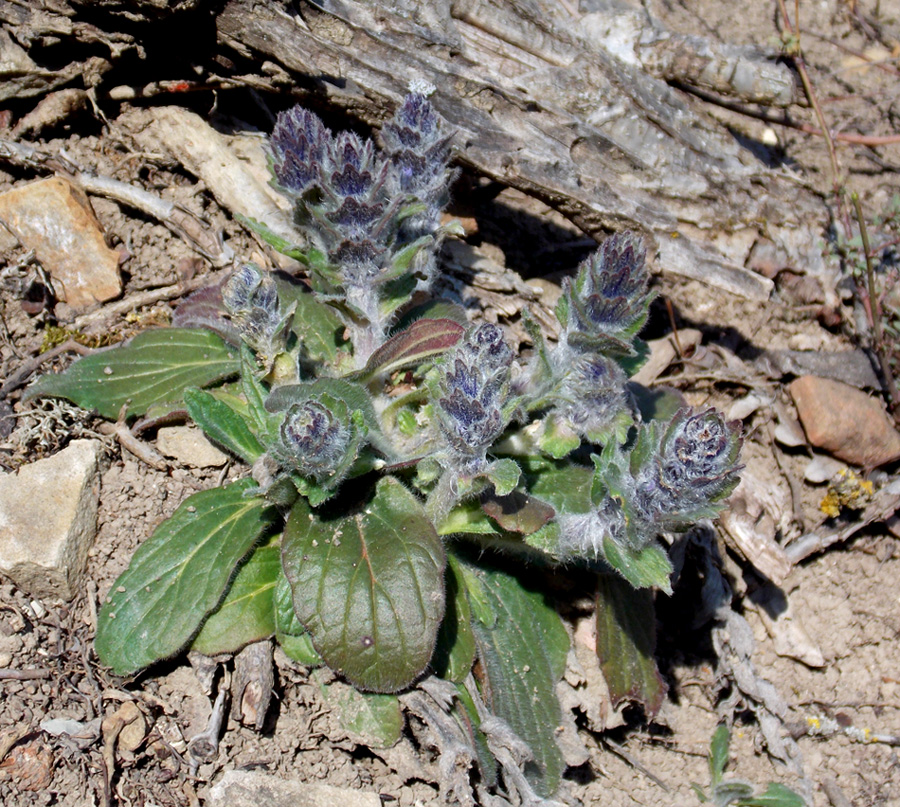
[(422, 340), (626, 643), (518, 512)]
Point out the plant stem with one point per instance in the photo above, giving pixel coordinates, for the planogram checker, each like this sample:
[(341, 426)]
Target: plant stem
[(875, 307), (810, 92)]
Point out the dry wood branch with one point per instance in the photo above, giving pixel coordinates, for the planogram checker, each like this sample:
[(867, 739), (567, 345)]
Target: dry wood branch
[(599, 140)]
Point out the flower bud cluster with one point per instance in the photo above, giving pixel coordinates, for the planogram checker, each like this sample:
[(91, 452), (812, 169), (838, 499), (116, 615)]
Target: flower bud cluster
[(694, 466), (473, 396), (419, 150), (607, 304), (592, 399), (251, 298), (316, 438), (676, 474), (362, 209)]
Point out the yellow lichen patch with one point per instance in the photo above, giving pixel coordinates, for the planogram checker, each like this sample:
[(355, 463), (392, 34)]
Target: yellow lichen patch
[(846, 490)]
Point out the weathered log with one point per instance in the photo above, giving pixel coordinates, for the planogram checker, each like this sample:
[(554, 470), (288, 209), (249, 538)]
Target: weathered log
[(538, 99), (598, 139)]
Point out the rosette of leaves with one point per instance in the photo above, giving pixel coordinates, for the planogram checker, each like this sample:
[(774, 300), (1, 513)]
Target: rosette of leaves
[(382, 473)]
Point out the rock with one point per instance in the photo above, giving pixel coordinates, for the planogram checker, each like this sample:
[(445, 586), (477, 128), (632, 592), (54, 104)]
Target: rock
[(189, 446), (257, 789), (822, 468), (54, 218), (845, 422), (48, 520)]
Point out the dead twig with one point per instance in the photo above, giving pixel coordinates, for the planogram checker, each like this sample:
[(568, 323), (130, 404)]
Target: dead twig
[(20, 376), (139, 300), (180, 221), (884, 504), (796, 53), (25, 675), (140, 449)]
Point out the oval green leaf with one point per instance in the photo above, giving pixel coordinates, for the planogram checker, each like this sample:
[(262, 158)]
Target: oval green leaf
[(523, 656), (246, 614), (626, 643), (154, 367), (369, 587), (223, 425), (178, 576)]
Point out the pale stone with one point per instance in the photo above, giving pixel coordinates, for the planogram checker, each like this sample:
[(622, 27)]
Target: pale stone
[(258, 789), (48, 520), (54, 218), (189, 446)]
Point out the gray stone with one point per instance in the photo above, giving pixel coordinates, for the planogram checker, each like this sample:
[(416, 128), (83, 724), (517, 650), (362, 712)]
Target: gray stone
[(257, 789), (189, 446), (48, 520)]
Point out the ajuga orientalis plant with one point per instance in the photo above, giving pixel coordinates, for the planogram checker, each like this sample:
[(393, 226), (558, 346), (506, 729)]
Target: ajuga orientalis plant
[(409, 475)]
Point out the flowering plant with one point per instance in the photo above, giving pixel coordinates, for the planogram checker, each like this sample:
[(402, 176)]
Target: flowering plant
[(409, 474)]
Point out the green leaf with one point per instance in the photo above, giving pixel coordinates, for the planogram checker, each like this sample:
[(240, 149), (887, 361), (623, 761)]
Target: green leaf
[(649, 566), (455, 651), (155, 367), (264, 425), (523, 656), (274, 240), (223, 425), (178, 576), (564, 485), (318, 326), (626, 644), (289, 633), (370, 719), (247, 613), (776, 795), (517, 512), (422, 340), (433, 309), (465, 713), (558, 438), (718, 753), (504, 474), (369, 586), (467, 517)]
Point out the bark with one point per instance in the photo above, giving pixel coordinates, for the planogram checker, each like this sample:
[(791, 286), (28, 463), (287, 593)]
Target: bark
[(538, 99)]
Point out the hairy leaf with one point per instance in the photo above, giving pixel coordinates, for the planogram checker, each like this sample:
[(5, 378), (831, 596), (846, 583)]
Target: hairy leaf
[(776, 795), (455, 652), (178, 576), (523, 655), (369, 586), (155, 367), (223, 425), (718, 753), (318, 326), (422, 340), (246, 614), (645, 567), (369, 718), (626, 643)]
